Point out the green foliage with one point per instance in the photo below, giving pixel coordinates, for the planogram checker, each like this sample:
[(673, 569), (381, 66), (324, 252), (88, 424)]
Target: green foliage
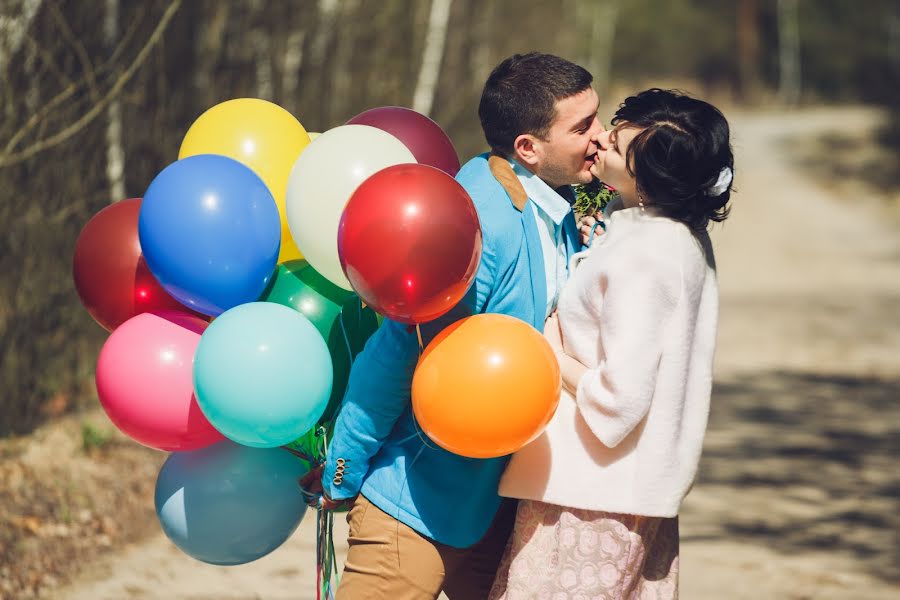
[(591, 198), (95, 438)]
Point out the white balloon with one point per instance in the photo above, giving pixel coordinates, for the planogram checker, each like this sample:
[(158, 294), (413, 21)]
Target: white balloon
[(321, 182)]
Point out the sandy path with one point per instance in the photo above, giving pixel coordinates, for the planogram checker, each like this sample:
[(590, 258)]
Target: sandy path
[(798, 492)]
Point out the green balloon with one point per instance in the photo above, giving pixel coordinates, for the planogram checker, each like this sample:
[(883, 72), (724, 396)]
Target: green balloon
[(337, 313), (298, 286)]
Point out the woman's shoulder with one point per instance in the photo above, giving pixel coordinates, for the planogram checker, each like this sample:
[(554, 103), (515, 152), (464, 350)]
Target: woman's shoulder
[(656, 245)]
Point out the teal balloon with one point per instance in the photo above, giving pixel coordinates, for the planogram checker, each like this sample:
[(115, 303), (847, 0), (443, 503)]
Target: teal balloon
[(227, 504), (262, 374), (337, 314)]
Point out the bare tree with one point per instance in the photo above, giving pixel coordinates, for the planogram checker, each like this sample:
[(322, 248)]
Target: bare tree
[(433, 54), (9, 156), (262, 59), (13, 28), (115, 152), (595, 32), (789, 83), (293, 60), (748, 48)]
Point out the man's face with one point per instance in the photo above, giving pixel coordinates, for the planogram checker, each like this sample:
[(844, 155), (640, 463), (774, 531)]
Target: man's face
[(566, 155)]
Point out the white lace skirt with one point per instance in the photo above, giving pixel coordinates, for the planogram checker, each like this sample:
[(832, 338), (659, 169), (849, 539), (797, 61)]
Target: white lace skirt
[(561, 553)]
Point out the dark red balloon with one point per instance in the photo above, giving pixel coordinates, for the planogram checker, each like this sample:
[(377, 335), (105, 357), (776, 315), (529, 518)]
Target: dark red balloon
[(409, 242), (424, 138), (111, 277)]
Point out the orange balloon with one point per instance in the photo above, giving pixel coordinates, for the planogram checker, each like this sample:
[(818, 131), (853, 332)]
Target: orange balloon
[(486, 386)]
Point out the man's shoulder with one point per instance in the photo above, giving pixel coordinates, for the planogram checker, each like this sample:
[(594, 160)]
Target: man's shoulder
[(490, 198)]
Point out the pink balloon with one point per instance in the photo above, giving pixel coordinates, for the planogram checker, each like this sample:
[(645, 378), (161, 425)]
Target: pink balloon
[(145, 381)]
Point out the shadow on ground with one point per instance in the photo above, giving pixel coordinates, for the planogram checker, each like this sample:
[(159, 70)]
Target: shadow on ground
[(874, 160), (810, 462)]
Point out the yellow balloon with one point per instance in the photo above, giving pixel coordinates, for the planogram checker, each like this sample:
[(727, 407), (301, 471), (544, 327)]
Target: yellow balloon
[(313, 134), (259, 134)]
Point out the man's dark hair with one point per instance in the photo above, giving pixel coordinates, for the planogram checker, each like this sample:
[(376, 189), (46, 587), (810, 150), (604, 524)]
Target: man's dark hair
[(520, 97), (678, 156)]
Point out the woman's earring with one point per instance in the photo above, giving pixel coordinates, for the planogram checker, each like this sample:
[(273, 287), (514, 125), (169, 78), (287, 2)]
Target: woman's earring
[(641, 202)]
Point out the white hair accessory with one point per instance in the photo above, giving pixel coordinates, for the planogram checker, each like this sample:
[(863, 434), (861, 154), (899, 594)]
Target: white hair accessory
[(722, 183)]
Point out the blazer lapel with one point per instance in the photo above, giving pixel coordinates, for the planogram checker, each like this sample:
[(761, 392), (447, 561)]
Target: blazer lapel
[(504, 174), (536, 266)]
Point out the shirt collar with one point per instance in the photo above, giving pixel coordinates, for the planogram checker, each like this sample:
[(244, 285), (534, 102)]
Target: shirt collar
[(545, 197)]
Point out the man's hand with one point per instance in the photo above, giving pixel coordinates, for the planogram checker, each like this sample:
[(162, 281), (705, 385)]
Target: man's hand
[(589, 229), (311, 486), (314, 493)]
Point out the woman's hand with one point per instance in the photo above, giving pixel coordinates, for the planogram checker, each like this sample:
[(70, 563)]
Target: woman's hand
[(570, 368), (587, 229), (553, 334)]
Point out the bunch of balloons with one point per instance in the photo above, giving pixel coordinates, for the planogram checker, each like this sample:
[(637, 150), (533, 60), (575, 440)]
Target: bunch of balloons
[(227, 290)]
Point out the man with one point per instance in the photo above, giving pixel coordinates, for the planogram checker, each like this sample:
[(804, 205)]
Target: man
[(423, 519)]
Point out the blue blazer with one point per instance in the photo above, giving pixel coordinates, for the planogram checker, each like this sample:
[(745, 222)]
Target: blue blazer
[(377, 447)]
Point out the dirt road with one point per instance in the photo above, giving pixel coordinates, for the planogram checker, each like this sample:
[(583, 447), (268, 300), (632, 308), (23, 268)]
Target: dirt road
[(798, 492)]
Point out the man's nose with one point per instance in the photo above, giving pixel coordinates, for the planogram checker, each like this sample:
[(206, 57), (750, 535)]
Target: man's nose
[(598, 133), (602, 139)]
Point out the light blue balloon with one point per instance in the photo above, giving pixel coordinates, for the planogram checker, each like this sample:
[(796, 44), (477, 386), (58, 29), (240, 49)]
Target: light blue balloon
[(262, 374), (210, 232), (228, 504)]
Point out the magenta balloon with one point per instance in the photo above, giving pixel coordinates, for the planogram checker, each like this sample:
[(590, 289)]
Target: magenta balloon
[(145, 381), (424, 138)]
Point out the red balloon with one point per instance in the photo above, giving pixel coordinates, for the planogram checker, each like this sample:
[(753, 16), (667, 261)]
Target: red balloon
[(111, 277), (409, 242), (424, 138)]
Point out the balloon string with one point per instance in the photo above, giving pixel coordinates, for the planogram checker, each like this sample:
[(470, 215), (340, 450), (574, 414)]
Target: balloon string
[(419, 334), (421, 434), (319, 556), (347, 342), (301, 455), (331, 550), (326, 556)]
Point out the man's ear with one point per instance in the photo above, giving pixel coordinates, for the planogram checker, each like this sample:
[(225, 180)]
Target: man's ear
[(525, 149)]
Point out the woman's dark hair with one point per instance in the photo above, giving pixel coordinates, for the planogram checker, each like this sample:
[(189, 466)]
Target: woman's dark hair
[(678, 155), (520, 96)]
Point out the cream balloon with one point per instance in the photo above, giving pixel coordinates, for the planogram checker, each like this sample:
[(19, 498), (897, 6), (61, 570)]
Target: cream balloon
[(321, 182)]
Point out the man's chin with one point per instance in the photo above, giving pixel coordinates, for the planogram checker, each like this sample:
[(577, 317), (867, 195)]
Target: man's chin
[(583, 178)]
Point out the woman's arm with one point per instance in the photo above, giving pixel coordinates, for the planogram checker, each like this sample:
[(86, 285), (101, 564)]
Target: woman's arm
[(572, 371), (637, 297)]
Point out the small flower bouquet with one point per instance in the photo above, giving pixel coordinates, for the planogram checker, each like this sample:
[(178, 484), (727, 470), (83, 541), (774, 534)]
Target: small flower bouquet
[(592, 198)]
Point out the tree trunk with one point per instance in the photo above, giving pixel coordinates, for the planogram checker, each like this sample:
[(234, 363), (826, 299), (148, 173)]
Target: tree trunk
[(748, 49), (13, 29), (115, 153), (293, 60), (789, 83), (595, 32), (341, 64), (432, 55), (262, 50)]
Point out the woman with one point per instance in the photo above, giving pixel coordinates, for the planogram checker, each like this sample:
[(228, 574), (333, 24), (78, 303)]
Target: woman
[(635, 336)]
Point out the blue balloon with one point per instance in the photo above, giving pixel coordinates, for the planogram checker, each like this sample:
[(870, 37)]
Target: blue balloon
[(228, 504), (210, 232), (262, 374)]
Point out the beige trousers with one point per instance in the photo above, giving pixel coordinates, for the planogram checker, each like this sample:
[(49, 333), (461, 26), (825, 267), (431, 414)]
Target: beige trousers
[(390, 560)]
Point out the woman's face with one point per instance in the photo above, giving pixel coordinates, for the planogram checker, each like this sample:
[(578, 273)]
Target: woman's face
[(610, 163)]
